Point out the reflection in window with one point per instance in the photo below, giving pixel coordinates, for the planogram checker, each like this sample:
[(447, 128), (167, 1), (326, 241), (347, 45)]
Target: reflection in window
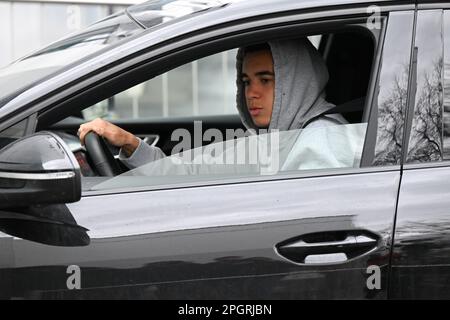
[(67, 18), (100, 34), (393, 85), (425, 143), (12, 133), (446, 118), (45, 22), (55, 57), (6, 36)]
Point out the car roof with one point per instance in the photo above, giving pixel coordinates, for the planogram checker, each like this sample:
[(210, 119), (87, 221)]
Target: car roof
[(251, 7), (252, 4)]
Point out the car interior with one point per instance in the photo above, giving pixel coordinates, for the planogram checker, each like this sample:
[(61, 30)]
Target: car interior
[(349, 54)]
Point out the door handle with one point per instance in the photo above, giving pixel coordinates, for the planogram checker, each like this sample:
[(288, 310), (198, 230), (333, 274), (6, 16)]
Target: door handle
[(328, 247)]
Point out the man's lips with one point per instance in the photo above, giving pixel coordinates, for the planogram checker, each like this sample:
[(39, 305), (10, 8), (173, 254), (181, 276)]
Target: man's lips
[(255, 111)]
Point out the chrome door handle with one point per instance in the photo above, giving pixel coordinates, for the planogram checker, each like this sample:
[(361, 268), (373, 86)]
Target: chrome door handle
[(328, 247)]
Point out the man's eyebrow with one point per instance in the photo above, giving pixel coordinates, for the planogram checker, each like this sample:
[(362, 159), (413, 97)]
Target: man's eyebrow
[(265, 73), (260, 73)]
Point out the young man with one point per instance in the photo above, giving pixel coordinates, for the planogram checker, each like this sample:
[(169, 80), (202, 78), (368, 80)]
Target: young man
[(290, 78), (280, 85)]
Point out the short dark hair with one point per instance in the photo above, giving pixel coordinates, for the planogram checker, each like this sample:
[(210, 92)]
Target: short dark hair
[(255, 48)]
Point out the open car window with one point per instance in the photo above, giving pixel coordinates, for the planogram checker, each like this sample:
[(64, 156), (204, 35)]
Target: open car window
[(184, 91), (181, 92), (204, 89), (207, 87)]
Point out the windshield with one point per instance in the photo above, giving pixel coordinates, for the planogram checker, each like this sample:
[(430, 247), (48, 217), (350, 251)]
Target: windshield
[(155, 12), (38, 66)]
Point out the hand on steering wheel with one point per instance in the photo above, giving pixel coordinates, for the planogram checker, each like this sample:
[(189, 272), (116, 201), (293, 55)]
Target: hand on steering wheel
[(102, 157), (97, 149)]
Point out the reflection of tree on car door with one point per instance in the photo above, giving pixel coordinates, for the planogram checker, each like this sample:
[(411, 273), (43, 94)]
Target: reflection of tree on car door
[(426, 132), (425, 142)]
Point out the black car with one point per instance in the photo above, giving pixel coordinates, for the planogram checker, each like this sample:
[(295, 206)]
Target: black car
[(76, 223)]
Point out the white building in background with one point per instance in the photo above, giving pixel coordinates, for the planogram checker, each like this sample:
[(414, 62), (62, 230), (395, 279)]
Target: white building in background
[(30, 24)]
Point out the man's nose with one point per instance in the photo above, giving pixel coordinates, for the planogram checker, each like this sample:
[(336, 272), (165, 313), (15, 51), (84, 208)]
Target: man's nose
[(253, 91)]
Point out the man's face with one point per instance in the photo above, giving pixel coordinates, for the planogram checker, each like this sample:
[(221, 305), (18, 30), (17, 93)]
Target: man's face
[(259, 81)]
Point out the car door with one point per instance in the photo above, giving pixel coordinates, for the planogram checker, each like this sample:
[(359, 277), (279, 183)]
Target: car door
[(308, 234), (420, 265)]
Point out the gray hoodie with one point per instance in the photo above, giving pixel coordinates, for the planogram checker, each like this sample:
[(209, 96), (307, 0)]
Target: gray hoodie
[(300, 80)]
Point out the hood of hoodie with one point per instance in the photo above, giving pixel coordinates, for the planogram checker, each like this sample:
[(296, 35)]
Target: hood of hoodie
[(300, 79)]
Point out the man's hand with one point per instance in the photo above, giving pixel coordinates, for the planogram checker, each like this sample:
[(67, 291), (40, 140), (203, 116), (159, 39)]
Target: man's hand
[(115, 135)]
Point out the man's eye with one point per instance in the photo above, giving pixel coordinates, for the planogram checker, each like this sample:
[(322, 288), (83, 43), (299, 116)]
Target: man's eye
[(265, 81), (245, 82)]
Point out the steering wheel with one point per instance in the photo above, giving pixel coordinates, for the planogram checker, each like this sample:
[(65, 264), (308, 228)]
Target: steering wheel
[(101, 156)]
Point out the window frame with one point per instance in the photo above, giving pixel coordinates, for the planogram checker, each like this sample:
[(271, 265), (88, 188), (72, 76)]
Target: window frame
[(185, 50)]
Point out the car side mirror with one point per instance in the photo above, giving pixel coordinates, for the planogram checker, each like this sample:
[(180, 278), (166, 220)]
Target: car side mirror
[(38, 169), (38, 175)]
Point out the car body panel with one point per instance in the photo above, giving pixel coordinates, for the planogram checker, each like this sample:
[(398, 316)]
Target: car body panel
[(421, 257), (219, 241), (143, 244)]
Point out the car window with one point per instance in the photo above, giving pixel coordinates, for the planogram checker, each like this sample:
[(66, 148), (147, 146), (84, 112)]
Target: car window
[(426, 134), (388, 122), (333, 140), (12, 133), (446, 86), (364, 110), (184, 91)]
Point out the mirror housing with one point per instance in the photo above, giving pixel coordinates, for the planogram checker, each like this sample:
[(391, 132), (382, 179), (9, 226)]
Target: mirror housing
[(38, 169), (38, 175)]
